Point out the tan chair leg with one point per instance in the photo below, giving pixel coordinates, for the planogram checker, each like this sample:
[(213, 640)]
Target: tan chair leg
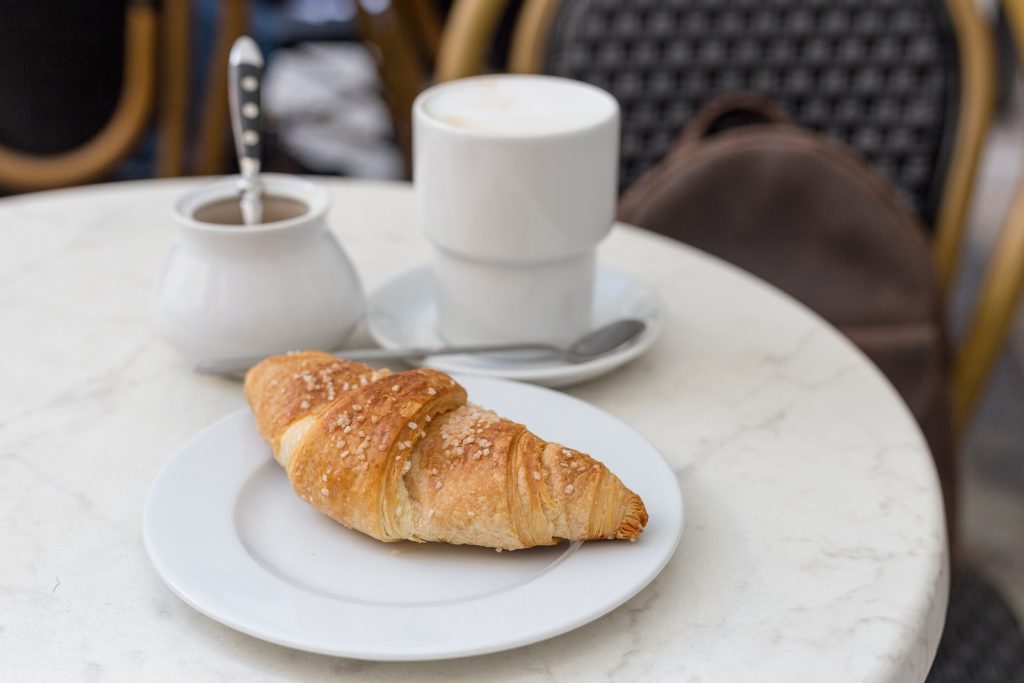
[(530, 39), (402, 67), (214, 149), (467, 36), (1000, 293), (425, 18), (977, 103), (174, 85)]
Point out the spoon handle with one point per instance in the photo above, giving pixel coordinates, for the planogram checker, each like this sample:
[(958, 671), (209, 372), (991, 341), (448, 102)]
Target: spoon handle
[(245, 76), (236, 367)]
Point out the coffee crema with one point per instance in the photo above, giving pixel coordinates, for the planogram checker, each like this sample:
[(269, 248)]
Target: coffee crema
[(229, 211), (513, 106)]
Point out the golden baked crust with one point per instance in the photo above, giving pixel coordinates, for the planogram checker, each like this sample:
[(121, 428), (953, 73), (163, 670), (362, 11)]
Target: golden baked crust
[(404, 456)]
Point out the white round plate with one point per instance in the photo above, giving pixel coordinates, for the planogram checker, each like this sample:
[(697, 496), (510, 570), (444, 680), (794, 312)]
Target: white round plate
[(402, 313), (226, 532)]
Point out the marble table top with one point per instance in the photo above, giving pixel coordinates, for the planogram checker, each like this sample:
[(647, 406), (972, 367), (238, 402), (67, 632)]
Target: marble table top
[(814, 549)]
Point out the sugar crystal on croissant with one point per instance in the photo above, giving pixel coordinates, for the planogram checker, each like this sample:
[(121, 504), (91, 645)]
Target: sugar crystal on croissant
[(404, 456)]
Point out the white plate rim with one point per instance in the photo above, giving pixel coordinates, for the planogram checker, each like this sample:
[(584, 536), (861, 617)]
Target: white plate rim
[(536, 635), (554, 375)]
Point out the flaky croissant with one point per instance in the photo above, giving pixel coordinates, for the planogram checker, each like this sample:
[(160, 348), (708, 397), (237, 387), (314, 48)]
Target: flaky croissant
[(404, 456)]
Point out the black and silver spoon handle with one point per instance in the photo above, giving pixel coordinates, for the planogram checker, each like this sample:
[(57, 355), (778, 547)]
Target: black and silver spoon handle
[(245, 77)]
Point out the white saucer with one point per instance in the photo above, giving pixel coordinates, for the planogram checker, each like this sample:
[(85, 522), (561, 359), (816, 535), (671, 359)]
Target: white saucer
[(402, 313), (226, 532)]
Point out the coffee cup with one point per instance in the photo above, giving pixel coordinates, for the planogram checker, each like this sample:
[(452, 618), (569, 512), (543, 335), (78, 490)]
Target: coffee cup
[(516, 180)]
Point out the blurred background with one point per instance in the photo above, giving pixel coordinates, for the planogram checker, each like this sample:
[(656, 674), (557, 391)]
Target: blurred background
[(124, 90)]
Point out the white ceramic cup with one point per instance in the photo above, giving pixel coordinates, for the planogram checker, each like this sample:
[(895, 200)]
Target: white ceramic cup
[(516, 179), (232, 290)]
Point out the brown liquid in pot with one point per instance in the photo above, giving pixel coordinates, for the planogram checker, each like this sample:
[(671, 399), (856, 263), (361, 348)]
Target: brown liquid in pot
[(229, 212)]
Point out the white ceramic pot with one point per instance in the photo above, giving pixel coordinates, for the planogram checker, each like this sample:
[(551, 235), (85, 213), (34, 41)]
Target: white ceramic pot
[(229, 291)]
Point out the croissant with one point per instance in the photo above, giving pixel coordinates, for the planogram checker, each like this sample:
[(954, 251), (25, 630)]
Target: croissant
[(404, 456)]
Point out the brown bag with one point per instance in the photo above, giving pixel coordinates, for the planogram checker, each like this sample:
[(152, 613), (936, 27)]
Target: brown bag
[(806, 214)]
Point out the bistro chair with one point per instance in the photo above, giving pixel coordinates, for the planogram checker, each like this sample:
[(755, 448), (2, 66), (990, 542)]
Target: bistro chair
[(214, 154), (51, 64), (403, 38), (155, 49), (909, 84)]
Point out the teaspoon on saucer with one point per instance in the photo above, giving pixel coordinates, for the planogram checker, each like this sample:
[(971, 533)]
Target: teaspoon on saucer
[(591, 345)]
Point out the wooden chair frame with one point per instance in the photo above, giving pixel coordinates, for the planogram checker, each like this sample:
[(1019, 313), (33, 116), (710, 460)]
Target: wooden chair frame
[(470, 29), (215, 127), (175, 64), (404, 40), (33, 172), (149, 38), (1000, 293)]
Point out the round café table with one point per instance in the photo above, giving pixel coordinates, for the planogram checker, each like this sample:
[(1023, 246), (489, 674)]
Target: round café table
[(814, 547)]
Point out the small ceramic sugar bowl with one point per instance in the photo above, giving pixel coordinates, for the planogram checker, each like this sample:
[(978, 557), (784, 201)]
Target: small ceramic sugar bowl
[(230, 290)]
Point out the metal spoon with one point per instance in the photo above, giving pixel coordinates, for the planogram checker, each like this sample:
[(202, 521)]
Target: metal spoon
[(593, 344), (245, 74)]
